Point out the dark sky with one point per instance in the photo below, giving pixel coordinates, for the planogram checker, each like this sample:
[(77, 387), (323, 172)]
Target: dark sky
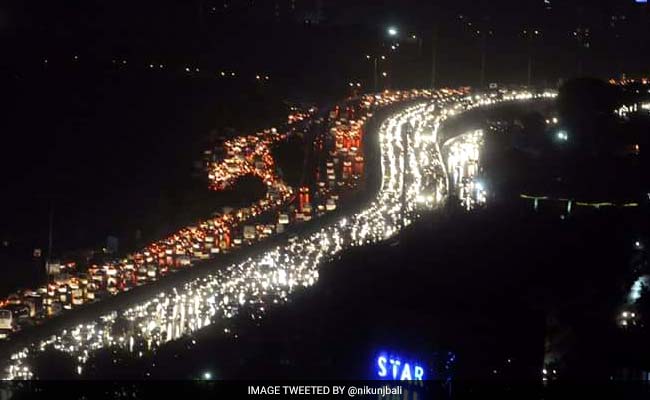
[(114, 15), (240, 33)]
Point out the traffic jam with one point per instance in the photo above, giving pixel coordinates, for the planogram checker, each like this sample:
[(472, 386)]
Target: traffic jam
[(412, 168), (71, 286)]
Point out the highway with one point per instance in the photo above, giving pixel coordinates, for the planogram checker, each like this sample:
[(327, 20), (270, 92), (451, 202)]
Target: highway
[(417, 171)]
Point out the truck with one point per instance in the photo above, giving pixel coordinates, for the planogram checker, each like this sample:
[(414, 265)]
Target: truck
[(6, 323), (249, 232)]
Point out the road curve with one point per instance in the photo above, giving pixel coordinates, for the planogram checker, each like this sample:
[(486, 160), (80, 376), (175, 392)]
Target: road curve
[(413, 177)]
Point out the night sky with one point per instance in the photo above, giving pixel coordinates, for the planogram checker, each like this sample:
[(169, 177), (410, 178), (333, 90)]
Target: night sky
[(237, 32)]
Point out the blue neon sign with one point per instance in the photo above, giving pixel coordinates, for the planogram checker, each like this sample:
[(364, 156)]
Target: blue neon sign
[(395, 368)]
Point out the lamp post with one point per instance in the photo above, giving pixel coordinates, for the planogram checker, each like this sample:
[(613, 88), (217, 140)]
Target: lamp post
[(48, 261), (434, 54), (483, 56), (391, 32), (484, 34), (375, 61), (530, 35), (375, 69)]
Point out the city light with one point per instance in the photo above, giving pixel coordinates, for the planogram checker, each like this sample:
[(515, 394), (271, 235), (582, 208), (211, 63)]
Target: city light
[(178, 215)]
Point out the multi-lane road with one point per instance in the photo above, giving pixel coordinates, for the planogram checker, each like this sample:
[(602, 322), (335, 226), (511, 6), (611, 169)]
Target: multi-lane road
[(417, 168)]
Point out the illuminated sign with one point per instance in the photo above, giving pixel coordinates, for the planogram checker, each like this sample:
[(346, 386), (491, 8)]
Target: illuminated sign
[(641, 1), (393, 367)]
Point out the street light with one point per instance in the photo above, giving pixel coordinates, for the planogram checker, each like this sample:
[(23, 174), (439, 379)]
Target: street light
[(375, 68), (530, 36), (392, 32)]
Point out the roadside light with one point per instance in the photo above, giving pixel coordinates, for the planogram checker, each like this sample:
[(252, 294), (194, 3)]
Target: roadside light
[(207, 376), (392, 31), (562, 136)]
